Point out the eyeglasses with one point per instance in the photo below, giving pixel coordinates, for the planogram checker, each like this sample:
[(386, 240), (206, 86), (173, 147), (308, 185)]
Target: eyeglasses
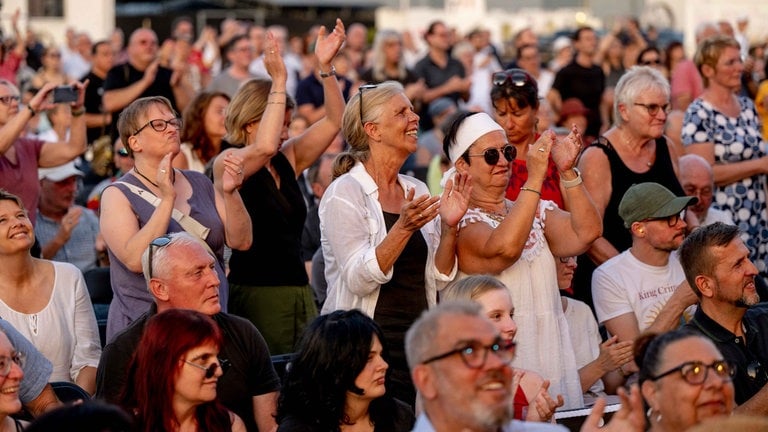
[(650, 62), (474, 354), (156, 243), (755, 370), (161, 125), (492, 155), (122, 152), (6, 100), (695, 372), (210, 370), (516, 77), (653, 109), (360, 94), (671, 220), (7, 362)]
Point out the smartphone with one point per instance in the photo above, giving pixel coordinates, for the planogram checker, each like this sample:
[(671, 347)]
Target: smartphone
[(63, 94)]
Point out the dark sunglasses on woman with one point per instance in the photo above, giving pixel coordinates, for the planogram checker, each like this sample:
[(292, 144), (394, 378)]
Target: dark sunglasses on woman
[(492, 155)]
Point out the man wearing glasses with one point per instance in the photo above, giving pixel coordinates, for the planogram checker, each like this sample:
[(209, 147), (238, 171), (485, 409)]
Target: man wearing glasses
[(644, 288), (717, 265), (180, 273), (461, 367)]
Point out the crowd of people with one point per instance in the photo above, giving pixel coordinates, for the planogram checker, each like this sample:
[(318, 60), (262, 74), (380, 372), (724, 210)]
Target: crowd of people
[(439, 236)]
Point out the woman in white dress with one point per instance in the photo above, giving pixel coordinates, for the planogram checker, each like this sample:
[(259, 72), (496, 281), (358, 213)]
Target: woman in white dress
[(515, 241), (46, 301)]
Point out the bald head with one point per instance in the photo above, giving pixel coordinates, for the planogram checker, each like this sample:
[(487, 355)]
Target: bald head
[(697, 180)]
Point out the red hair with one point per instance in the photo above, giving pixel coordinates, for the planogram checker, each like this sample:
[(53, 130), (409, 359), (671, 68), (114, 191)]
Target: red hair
[(155, 368)]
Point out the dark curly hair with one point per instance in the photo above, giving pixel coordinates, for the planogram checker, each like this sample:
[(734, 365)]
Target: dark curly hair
[(334, 349)]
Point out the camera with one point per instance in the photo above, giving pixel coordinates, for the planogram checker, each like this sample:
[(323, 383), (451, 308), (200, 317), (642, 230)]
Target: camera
[(64, 94)]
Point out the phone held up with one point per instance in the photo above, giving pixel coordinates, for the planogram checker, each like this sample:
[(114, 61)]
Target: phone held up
[(63, 94)]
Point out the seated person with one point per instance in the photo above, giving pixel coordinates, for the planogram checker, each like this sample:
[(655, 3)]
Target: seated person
[(644, 288), (47, 301), (180, 274), (697, 179)]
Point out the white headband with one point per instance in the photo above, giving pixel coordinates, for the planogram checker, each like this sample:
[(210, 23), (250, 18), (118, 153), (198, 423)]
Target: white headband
[(471, 129)]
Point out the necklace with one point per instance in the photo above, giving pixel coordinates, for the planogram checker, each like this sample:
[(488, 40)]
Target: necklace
[(627, 143), (173, 177), (495, 215)]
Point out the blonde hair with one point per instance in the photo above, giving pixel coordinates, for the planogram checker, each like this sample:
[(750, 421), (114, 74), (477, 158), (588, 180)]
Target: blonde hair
[(130, 119), (710, 50), (471, 287), (246, 107)]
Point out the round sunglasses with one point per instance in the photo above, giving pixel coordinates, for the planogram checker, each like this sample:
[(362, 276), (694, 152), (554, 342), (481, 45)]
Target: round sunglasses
[(492, 155)]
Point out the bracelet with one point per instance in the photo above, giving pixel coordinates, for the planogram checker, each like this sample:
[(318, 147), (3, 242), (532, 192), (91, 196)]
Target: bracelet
[(32, 110), (276, 103), (330, 73), (78, 112), (526, 188), (572, 183), (276, 92)]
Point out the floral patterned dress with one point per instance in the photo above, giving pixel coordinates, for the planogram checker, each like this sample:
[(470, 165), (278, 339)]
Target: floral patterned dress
[(543, 336), (736, 139)]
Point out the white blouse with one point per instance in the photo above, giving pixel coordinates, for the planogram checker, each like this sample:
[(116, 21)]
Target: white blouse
[(65, 330)]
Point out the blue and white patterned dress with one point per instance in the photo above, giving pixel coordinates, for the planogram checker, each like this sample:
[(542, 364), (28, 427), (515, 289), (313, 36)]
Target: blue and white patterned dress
[(736, 139)]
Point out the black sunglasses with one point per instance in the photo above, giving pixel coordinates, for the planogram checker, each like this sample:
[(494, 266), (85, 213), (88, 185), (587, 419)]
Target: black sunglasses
[(650, 62), (360, 94), (492, 155), (156, 243), (515, 77)]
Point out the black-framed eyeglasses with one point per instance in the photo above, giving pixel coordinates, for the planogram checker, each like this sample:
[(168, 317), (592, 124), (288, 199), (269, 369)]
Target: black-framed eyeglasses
[(516, 77), (7, 362), (671, 220), (360, 95), (474, 354), (6, 100), (695, 372), (160, 125), (122, 152), (156, 243), (492, 155), (755, 370), (210, 370), (653, 109)]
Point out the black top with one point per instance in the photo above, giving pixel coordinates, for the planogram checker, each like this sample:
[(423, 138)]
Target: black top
[(410, 77), (622, 178), (435, 76), (310, 90), (250, 371), (93, 105), (749, 354), (402, 421), (585, 84), (278, 217)]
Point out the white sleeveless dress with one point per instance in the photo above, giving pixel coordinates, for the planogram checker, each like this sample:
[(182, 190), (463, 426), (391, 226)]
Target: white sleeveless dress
[(543, 336)]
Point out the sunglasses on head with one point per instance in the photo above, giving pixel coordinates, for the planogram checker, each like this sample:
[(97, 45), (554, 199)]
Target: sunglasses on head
[(156, 243), (492, 155), (514, 77), (360, 95)]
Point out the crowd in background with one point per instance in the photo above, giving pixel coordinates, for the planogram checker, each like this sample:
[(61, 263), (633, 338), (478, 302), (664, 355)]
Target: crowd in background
[(576, 190)]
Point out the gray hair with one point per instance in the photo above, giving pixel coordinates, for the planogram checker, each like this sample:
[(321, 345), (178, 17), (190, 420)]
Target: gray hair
[(692, 161), (161, 262), (636, 81), (379, 59), (421, 337)]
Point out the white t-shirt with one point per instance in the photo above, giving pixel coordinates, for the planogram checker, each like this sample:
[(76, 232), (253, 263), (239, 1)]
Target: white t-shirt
[(585, 336), (623, 284)]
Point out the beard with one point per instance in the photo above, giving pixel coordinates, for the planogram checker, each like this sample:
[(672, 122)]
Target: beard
[(747, 301)]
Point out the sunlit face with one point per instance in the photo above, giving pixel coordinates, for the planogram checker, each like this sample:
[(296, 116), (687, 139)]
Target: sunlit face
[(9, 385), (192, 281), (16, 229), (9, 105), (483, 175), (192, 387), (661, 236), (681, 404), (734, 275), (215, 117), (484, 394), (518, 123), (153, 142), (372, 378), (399, 125), (497, 306), (142, 46), (640, 121), (728, 70)]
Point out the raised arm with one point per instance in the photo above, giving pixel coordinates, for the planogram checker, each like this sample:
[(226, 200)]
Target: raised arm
[(238, 228), (453, 206), (596, 174), (571, 233), (304, 150), (53, 154)]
